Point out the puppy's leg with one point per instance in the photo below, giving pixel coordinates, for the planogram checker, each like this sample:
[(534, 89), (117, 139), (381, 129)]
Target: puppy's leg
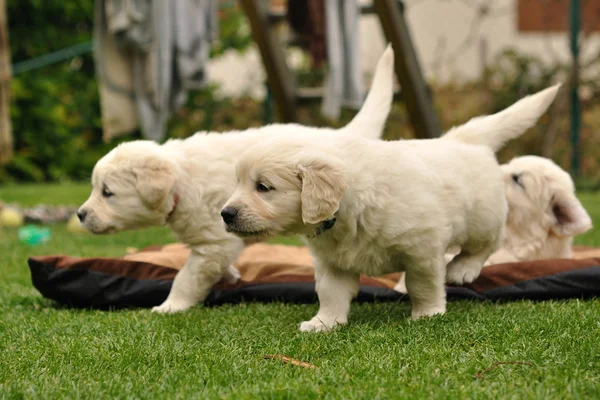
[(466, 266), (401, 285), (336, 289), (425, 286), (484, 239), (205, 267)]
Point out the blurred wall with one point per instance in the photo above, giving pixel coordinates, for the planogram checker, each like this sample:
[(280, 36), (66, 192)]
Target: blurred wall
[(454, 39)]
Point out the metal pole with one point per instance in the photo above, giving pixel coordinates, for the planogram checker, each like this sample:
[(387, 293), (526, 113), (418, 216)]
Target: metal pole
[(575, 108)]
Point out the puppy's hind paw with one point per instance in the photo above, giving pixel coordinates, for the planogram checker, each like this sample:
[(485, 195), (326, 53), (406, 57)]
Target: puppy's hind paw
[(319, 325), (465, 268), (171, 307), (460, 274)]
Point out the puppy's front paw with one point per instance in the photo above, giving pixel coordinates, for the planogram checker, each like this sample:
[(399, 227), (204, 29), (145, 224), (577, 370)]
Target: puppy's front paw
[(421, 312), (461, 274), (318, 324), (170, 307)]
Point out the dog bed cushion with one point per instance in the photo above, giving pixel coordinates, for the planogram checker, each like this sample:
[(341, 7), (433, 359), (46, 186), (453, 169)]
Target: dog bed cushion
[(285, 273)]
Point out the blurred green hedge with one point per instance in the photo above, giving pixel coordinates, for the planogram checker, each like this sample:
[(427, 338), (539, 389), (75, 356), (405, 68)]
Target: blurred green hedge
[(55, 109)]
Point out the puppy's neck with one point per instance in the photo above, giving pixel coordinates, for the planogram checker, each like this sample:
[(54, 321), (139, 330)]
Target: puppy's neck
[(322, 227), (173, 207)]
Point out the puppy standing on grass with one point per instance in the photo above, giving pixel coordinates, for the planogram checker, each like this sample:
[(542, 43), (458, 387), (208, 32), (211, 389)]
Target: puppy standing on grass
[(373, 207), (184, 184), (543, 213)]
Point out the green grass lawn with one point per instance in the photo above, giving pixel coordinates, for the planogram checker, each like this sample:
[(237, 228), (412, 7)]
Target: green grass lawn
[(50, 352)]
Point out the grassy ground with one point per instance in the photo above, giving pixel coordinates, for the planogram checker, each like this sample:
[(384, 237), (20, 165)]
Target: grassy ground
[(50, 352)]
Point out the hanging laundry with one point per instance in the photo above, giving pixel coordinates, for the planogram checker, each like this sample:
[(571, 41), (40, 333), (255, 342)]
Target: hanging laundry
[(149, 54), (344, 84), (329, 30)]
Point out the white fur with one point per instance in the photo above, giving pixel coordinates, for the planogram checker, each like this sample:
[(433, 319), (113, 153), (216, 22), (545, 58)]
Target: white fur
[(184, 184), (398, 206), (543, 213), (495, 130)]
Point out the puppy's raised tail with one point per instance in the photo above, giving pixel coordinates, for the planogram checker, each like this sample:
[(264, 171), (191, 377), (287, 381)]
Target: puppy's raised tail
[(371, 118), (495, 130)]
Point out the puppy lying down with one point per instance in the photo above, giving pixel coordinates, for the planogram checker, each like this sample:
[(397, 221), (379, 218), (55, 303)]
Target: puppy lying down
[(184, 184), (373, 207), (543, 213)]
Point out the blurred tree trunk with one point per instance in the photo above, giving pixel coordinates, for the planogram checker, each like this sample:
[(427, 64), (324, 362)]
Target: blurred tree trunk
[(6, 139)]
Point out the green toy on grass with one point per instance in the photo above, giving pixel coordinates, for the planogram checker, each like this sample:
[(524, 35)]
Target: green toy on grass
[(33, 235)]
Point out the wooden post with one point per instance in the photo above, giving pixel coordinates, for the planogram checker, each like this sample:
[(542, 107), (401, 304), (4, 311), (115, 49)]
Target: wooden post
[(6, 140), (280, 78), (418, 102), (574, 87)]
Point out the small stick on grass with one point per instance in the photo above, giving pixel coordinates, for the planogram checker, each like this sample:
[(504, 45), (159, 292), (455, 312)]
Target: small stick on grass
[(497, 364), (289, 360)]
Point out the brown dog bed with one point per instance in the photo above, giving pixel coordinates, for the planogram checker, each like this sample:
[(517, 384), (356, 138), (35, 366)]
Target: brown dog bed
[(285, 273)]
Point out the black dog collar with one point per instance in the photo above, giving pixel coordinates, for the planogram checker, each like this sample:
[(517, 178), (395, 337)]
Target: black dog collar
[(324, 226)]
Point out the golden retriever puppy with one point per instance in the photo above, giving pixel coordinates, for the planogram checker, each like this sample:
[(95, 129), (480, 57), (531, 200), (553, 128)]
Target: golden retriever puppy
[(184, 184), (543, 213), (373, 207)]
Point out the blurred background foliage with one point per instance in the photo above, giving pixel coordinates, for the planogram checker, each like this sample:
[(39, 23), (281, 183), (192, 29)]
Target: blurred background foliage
[(55, 109), (56, 115)]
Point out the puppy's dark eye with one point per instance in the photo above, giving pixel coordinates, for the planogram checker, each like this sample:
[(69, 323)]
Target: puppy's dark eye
[(517, 179), (106, 192), (262, 188)]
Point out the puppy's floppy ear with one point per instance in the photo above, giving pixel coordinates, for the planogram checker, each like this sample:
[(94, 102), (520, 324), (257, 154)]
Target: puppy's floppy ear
[(154, 180), (569, 216), (323, 185)]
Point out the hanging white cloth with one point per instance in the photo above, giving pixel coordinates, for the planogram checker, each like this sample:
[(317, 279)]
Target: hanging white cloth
[(344, 84), (149, 54)]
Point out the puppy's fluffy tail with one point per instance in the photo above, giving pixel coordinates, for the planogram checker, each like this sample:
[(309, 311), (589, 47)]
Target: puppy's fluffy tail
[(371, 118), (495, 130)]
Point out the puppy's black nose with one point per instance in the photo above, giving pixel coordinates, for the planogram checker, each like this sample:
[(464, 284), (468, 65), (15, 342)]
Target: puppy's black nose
[(81, 214), (228, 214)]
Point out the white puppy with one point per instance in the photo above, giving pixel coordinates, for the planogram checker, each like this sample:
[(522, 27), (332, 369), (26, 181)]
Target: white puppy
[(373, 207), (543, 213), (184, 184)]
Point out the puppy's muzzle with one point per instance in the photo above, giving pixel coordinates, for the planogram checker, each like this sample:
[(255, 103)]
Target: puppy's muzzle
[(228, 214), (81, 214)]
